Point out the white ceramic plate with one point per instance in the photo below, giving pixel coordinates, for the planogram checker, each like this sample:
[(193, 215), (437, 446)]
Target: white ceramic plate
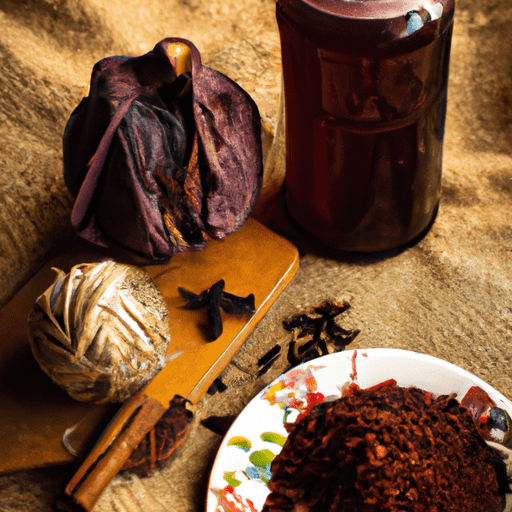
[(242, 466)]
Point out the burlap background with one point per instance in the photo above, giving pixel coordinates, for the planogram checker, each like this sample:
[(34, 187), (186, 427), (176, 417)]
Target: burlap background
[(449, 296)]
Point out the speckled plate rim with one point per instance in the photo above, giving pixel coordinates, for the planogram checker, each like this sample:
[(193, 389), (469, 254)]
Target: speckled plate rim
[(237, 484)]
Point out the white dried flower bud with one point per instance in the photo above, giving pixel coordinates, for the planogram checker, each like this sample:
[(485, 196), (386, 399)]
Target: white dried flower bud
[(101, 331)]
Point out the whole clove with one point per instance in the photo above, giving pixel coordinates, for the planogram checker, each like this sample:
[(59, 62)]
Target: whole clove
[(315, 329), (266, 361), (216, 299), (214, 314), (217, 386), (270, 355), (194, 301), (234, 305)]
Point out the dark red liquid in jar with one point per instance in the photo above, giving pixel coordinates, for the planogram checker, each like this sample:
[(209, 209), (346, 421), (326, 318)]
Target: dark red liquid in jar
[(365, 102)]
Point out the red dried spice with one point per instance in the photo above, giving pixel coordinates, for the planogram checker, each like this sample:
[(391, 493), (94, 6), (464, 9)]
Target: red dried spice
[(387, 449), (162, 441)]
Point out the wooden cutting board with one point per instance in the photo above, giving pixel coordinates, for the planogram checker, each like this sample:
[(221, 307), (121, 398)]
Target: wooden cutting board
[(36, 413)]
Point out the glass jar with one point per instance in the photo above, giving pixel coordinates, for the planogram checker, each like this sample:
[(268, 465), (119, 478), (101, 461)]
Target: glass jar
[(365, 88)]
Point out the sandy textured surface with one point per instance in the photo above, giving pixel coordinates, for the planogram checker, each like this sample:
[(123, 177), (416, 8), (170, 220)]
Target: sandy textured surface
[(449, 296)]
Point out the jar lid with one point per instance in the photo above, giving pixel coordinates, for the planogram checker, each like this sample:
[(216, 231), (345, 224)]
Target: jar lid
[(373, 9), (369, 21)]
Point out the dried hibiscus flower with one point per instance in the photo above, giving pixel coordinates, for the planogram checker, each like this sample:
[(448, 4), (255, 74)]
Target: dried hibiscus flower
[(163, 439), (163, 154)]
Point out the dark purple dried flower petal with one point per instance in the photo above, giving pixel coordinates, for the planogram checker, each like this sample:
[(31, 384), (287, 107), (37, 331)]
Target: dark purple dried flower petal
[(164, 438), (194, 301), (159, 163)]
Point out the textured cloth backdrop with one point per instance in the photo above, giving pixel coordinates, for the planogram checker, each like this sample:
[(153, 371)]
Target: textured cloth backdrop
[(449, 296)]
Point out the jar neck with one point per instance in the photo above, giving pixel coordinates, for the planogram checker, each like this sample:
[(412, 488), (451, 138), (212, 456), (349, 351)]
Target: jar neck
[(368, 26)]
